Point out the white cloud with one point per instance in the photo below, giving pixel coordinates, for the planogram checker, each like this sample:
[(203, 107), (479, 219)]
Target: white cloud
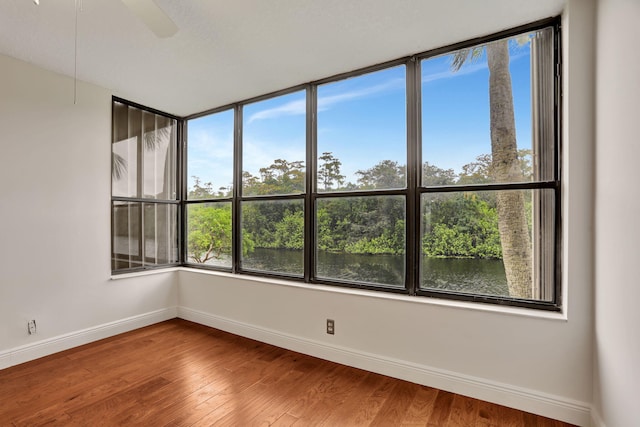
[(325, 102), (469, 68), (293, 108), (258, 153), (299, 107), (448, 73)]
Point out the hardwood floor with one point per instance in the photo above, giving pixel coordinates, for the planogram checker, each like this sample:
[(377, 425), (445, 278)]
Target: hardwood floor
[(178, 373)]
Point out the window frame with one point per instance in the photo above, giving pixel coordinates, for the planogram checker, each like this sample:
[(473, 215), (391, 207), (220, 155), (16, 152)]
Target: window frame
[(412, 193), (144, 201)]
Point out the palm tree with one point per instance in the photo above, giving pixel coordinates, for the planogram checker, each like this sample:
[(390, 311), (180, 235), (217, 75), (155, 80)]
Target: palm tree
[(505, 166)]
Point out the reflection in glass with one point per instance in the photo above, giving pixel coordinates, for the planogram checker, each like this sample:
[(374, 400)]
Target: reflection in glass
[(124, 152), (361, 239), (126, 251), (160, 233), (362, 135), (159, 157), (463, 232), (273, 236), (210, 156), (209, 234), (274, 145), (143, 159)]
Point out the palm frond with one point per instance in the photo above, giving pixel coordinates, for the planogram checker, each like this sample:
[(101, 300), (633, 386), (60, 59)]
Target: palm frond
[(459, 58), (151, 139), (118, 166)]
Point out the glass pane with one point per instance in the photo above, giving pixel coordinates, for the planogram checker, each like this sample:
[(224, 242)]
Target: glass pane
[(362, 239), (159, 147), (209, 234), (273, 236), (488, 243), (210, 156), (126, 251), (160, 234), (143, 144), (274, 145), (473, 95), (124, 151), (362, 135)]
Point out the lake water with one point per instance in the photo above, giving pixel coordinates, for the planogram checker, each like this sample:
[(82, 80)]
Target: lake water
[(476, 276)]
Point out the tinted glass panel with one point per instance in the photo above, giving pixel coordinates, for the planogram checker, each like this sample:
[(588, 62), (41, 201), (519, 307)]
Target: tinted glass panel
[(209, 234), (273, 236), (160, 233), (362, 134), (274, 145), (210, 156), (362, 239), (126, 234), (125, 150), (143, 158), (159, 156)]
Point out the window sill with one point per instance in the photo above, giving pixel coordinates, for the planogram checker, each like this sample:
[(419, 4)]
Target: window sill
[(462, 305), (143, 273)]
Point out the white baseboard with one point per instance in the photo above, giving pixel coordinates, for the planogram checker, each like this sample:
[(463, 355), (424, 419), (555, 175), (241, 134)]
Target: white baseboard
[(53, 345), (5, 360), (596, 420), (552, 406), (548, 405)]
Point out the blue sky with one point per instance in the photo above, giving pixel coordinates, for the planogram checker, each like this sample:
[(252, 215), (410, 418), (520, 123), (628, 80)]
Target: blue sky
[(362, 121)]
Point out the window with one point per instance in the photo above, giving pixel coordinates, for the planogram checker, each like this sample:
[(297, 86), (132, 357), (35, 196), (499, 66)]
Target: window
[(144, 202), (209, 177), (435, 175), (274, 141), (489, 177), (362, 150)]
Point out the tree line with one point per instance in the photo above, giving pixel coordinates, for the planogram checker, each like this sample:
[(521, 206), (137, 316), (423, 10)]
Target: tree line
[(455, 224)]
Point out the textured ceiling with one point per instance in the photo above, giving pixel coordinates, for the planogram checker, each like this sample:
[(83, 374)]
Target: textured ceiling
[(230, 50)]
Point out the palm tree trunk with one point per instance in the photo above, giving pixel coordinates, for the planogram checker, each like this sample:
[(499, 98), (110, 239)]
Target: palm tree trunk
[(512, 221)]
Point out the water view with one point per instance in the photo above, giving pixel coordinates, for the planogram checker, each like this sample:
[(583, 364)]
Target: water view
[(478, 276)]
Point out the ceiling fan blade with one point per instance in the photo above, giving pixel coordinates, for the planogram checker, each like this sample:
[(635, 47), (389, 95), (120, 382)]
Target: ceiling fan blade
[(153, 17)]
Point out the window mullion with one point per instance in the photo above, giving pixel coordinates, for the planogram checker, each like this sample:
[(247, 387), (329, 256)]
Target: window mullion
[(236, 214), (181, 183), (140, 187), (311, 179), (412, 246)]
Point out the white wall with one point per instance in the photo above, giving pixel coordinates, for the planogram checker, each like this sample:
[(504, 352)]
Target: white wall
[(537, 364), (55, 221), (54, 254), (617, 316)]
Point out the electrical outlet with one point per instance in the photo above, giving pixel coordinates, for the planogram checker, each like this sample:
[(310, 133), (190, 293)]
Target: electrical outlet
[(331, 326), (31, 327)]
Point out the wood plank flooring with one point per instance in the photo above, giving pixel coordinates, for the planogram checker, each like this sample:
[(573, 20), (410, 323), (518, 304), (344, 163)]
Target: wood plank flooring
[(178, 373)]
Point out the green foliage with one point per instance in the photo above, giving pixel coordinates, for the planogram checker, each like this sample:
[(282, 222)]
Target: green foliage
[(462, 226), (281, 177), (454, 224), (329, 172), (289, 233), (386, 174), (433, 175), (209, 232), (274, 224), (389, 242), (445, 241)]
